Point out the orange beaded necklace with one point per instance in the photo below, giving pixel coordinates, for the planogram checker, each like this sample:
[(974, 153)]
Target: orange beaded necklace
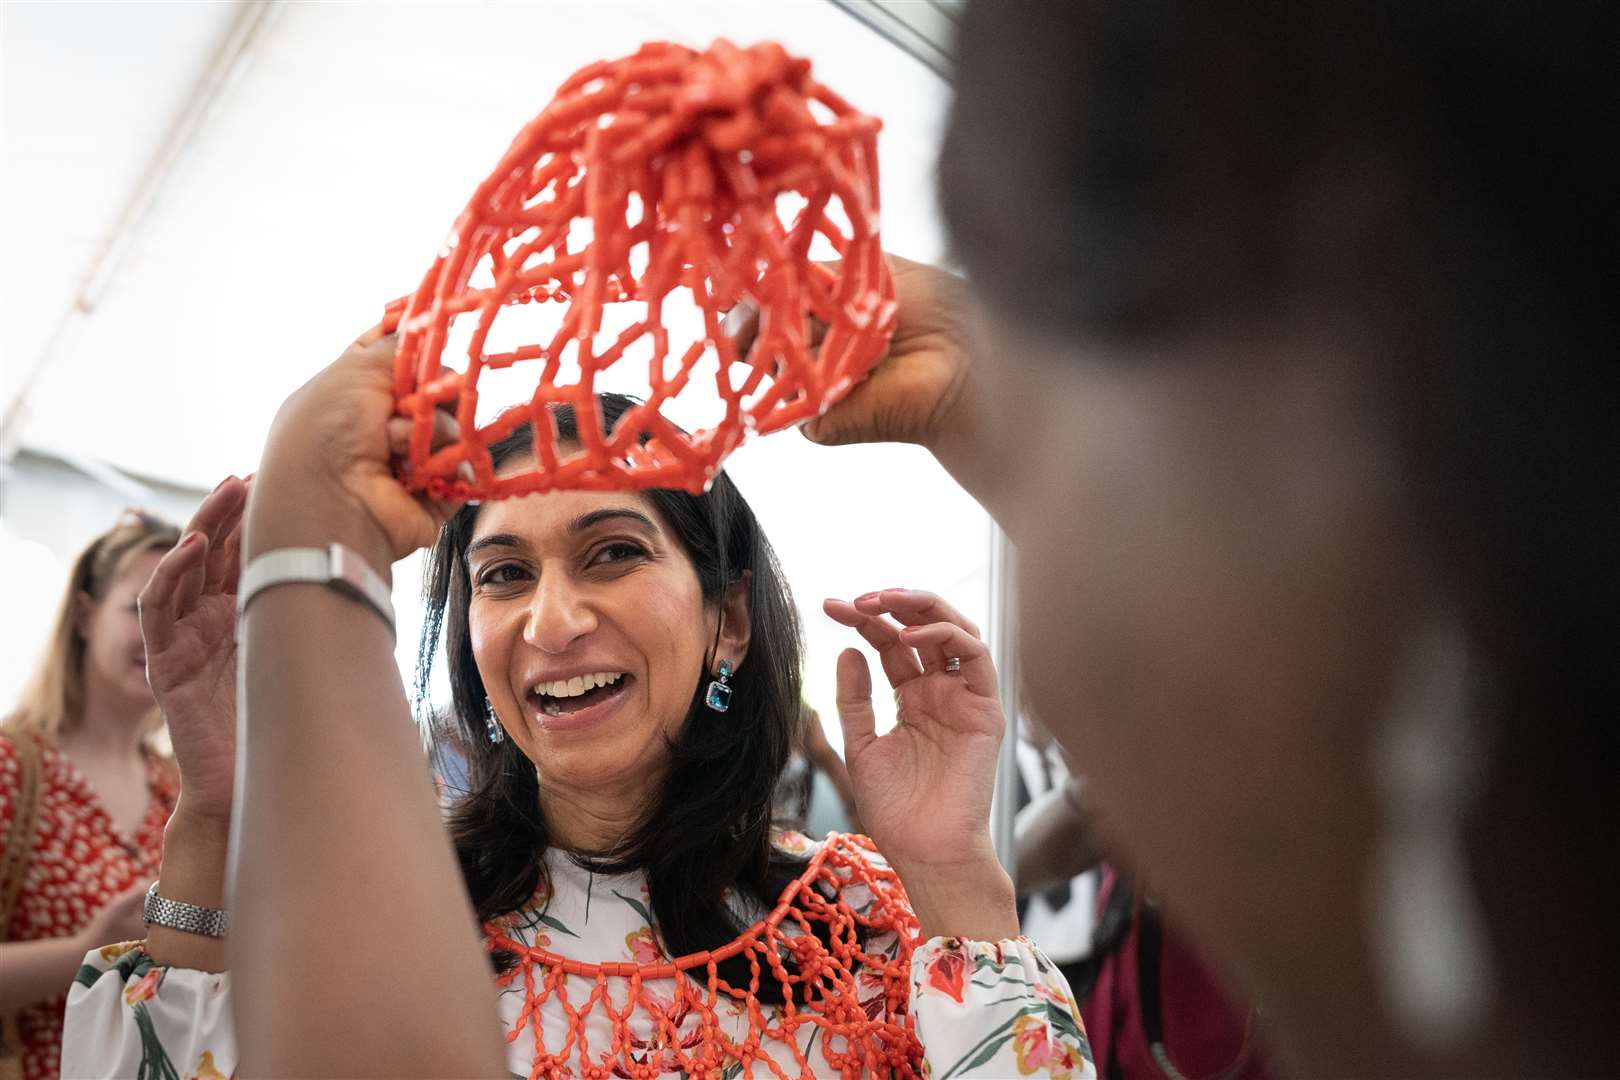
[(856, 998)]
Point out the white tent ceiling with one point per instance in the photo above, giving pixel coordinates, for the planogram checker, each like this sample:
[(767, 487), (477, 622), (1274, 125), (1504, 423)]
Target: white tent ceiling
[(205, 201)]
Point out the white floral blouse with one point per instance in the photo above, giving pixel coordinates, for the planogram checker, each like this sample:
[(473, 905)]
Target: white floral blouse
[(979, 1009)]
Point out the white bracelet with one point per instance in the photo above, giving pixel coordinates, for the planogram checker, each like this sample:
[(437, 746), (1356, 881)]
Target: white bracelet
[(334, 565)]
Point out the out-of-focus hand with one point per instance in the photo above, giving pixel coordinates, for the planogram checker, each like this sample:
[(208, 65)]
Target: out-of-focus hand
[(119, 921), (188, 619)]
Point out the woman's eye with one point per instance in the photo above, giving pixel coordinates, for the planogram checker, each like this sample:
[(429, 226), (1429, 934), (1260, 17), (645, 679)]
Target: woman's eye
[(616, 552), (505, 574)]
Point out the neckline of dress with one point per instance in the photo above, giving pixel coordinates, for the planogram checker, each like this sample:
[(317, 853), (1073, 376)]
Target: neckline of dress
[(96, 803)]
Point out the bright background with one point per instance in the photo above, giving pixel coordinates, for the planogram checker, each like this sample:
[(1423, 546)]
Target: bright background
[(205, 201)]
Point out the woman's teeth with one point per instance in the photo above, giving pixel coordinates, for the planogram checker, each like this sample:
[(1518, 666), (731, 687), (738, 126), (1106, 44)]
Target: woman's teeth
[(579, 684), (565, 695)]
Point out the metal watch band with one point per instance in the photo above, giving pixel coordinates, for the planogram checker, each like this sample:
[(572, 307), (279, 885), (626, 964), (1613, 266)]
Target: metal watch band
[(189, 918), (333, 565)]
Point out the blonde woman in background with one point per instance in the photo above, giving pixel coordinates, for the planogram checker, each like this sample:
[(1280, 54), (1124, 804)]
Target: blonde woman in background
[(84, 793)]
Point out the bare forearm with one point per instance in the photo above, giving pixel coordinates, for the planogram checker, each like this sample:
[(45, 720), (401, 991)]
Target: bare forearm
[(194, 858), (35, 971), (339, 834), (1055, 841)]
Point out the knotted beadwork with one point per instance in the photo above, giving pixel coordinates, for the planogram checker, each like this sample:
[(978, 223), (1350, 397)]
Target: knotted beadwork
[(858, 999), (653, 181)]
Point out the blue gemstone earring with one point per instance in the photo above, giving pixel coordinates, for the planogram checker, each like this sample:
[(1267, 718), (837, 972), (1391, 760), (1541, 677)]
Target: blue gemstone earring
[(718, 697), (496, 732)]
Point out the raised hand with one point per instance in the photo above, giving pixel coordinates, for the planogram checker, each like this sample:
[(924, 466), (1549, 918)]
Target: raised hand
[(188, 618), (330, 457), (923, 789)]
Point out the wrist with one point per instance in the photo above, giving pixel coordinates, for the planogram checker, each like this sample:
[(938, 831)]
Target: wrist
[(968, 898), (292, 508), (195, 854), (197, 828)]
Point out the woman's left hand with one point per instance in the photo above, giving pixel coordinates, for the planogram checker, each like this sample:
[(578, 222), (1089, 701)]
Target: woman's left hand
[(923, 789)]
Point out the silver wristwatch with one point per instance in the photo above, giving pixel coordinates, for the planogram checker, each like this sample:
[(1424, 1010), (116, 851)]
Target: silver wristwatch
[(334, 565), (161, 911)]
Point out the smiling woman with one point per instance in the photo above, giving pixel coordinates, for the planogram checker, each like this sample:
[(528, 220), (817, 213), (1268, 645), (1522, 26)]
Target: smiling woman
[(648, 593)]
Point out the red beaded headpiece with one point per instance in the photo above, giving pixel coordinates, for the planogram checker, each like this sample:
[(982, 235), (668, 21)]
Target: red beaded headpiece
[(674, 160)]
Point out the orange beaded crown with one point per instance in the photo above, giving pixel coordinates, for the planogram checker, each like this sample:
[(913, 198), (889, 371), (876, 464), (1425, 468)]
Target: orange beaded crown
[(650, 182)]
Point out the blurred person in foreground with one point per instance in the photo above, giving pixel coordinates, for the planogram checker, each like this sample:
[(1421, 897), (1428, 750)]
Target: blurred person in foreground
[(1290, 368), (84, 792), (1155, 1006)]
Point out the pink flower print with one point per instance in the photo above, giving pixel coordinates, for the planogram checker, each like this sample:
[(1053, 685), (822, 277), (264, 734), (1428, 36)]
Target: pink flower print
[(144, 988), (1036, 1050), (1062, 1001), (643, 946)]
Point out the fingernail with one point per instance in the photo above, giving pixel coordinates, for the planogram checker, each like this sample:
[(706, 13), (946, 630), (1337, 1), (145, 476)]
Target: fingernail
[(866, 596), (192, 537)]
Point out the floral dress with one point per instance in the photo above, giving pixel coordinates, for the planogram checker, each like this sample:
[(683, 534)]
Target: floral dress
[(971, 1009), (78, 864)]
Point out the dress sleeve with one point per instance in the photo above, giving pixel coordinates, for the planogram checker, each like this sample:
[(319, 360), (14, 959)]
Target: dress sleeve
[(998, 1009), (126, 1016)]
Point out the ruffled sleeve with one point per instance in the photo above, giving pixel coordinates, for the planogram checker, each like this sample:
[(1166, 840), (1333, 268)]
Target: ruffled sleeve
[(126, 1016), (998, 1009)]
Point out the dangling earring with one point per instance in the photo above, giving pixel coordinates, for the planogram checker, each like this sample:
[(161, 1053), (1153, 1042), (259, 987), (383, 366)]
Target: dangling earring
[(496, 732), (718, 697)]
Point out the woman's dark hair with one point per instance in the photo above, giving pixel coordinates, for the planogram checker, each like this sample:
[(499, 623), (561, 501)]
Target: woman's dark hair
[(1434, 185), (708, 829)]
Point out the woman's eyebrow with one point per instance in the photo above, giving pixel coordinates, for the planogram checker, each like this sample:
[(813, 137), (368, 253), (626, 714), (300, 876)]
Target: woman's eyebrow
[(508, 540), (596, 517)]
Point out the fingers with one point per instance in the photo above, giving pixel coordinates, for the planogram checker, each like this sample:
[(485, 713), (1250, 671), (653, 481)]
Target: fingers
[(855, 703), (230, 557), (219, 515), (913, 607), (374, 336), (445, 432), (177, 579), (741, 325), (938, 641), (900, 663), (932, 632)]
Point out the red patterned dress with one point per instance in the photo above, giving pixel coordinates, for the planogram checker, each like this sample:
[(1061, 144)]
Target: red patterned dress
[(79, 863)]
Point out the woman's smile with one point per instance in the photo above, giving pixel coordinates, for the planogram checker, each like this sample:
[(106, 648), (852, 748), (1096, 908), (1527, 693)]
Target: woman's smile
[(578, 703)]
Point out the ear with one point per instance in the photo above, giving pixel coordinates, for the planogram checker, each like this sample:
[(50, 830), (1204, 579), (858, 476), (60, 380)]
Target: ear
[(735, 625)]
